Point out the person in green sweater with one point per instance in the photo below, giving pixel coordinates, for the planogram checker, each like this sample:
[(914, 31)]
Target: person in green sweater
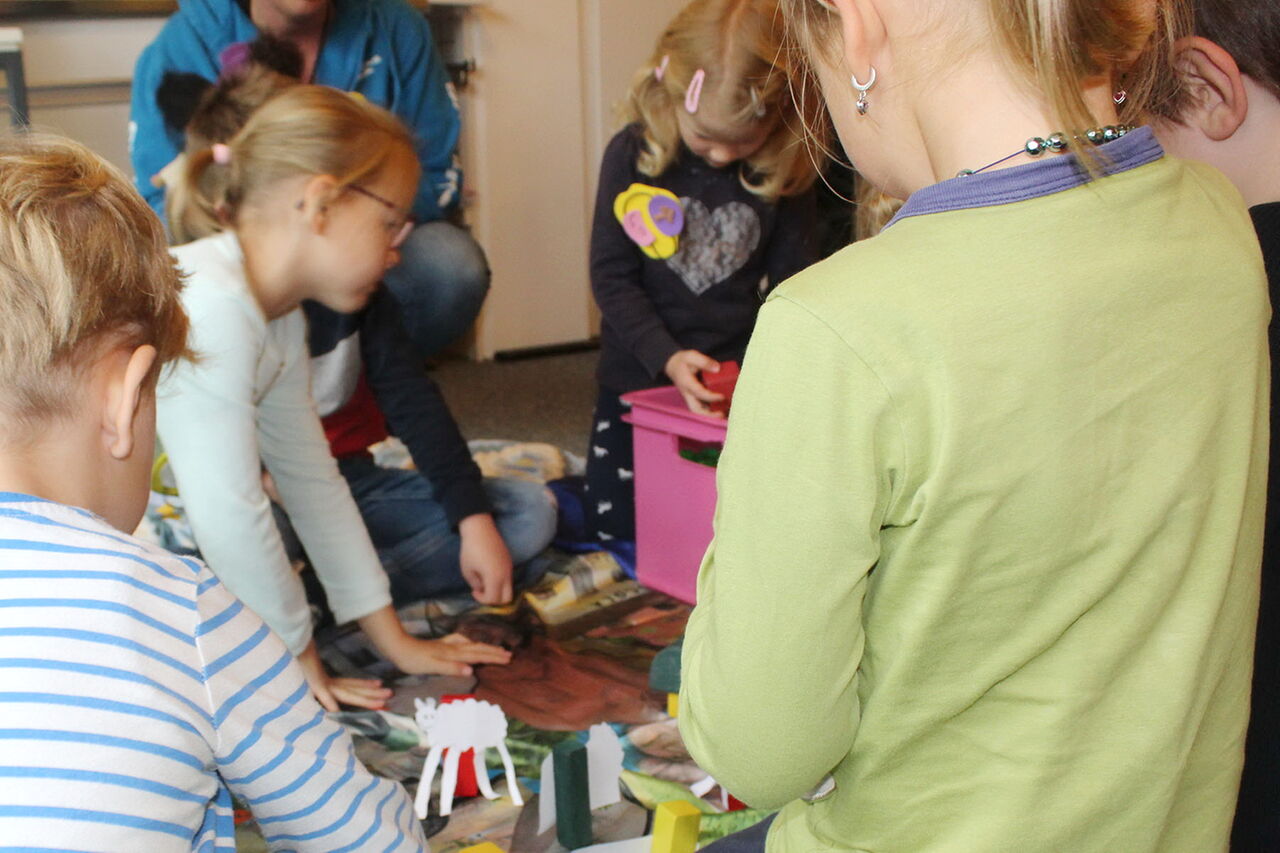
[(987, 545)]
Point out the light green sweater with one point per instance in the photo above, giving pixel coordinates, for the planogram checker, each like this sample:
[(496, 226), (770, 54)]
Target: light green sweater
[(989, 530)]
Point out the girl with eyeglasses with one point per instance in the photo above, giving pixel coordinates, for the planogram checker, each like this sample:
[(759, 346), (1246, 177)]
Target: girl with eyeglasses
[(314, 193)]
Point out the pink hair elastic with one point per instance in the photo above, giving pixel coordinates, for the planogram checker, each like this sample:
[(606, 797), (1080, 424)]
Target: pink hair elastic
[(694, 93), (221, 154), (661, 70), (233, 58)]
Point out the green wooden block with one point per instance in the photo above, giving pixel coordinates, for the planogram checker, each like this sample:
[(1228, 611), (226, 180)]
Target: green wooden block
[(664, 672), (573, 803)]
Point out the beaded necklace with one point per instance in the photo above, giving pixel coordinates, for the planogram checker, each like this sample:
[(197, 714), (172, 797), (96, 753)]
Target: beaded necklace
[(1056, 142)]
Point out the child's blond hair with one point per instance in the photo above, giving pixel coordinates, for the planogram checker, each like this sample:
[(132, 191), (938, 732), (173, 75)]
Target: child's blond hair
[(302, 130), (873, 210), (737, 44), (1056, 43), (83, 265), (219, 115)]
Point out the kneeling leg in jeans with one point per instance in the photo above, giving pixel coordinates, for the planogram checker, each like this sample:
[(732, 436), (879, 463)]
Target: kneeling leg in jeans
[(418, 546)]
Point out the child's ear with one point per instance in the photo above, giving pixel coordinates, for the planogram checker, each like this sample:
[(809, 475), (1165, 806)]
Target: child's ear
[(862, 33), (317, 194), (1219, 104), (126, 385)]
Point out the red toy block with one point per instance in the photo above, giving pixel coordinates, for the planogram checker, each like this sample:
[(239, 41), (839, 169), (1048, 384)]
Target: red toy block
[(722, 382)]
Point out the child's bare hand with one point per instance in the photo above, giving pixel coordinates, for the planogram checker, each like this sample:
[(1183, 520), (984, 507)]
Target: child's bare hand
[(361, 692), (451, 655), (683, 369), (484, 560)]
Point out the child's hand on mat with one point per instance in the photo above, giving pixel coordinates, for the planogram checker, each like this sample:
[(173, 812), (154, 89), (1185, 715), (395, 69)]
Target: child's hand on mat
[(683, 369), (361, 692), (485, 560), (450, 655)]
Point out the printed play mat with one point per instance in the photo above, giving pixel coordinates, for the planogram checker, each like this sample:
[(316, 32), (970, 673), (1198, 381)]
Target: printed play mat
[(584, 639)]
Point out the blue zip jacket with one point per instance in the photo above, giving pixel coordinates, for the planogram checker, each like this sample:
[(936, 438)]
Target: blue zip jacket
[(380, 48)]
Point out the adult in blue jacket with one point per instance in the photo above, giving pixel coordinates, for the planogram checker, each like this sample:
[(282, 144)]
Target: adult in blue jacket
[(380, 48)]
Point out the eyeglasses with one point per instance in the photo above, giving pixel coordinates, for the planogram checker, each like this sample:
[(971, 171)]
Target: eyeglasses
[(400, 230)]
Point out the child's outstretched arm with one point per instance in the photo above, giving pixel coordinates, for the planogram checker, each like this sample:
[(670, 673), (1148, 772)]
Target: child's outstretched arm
[(207, 418), (278, 752), (328, 522), (418, 415), (804, 485)]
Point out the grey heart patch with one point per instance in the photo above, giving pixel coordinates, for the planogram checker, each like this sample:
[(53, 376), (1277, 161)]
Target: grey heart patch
[(714, 245)]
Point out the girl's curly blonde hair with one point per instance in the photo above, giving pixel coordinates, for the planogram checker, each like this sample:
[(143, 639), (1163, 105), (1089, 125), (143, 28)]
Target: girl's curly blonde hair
[(738, 45)]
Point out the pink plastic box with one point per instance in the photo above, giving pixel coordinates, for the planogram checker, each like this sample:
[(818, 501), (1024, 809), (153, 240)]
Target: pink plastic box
[(675, 497)]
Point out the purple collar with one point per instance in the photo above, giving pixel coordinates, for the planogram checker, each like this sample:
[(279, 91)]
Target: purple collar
[(1043, 177)]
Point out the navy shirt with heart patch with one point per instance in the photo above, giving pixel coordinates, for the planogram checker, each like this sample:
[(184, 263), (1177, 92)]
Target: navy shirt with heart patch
[(734, 247)]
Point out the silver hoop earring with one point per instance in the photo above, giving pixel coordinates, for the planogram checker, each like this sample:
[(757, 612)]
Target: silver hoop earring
[(862, 88)]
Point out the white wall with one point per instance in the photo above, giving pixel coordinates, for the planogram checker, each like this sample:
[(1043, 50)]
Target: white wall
[(78, 72), (524, 153), (537, 116)]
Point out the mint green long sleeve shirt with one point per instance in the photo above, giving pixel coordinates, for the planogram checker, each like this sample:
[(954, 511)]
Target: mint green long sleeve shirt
[(989, 527)]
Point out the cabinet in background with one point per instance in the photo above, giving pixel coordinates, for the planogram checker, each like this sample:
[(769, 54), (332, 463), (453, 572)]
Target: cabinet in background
[(542, 77)]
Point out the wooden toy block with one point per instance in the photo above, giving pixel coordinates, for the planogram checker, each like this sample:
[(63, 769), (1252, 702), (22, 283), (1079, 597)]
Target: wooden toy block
[(722, 382), (486, 847), (573, 797), (675, 827), (664, 672)]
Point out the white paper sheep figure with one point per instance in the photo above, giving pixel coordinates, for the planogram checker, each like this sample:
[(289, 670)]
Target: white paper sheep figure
[(457, 727)]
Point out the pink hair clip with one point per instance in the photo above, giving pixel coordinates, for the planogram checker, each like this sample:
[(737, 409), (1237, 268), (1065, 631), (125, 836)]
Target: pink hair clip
[(694, 93), (661, 70), (221, 154), (232, 58)]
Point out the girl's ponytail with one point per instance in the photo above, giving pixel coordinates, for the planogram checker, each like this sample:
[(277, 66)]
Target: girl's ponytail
[(194, 200), (299, 130)]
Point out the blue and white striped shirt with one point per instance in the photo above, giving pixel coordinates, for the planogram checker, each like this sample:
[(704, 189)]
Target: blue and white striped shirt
[(137, 694)]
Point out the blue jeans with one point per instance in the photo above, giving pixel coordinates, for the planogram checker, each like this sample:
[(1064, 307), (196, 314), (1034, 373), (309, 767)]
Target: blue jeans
[(419, 548), (440, 282)]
